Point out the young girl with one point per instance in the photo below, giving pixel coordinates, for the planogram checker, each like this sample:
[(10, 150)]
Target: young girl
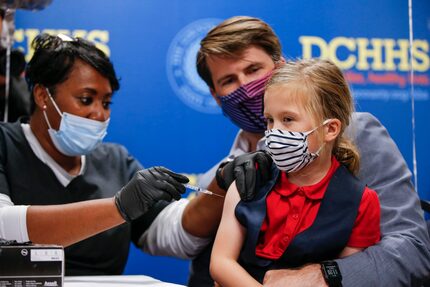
[(313, 209)]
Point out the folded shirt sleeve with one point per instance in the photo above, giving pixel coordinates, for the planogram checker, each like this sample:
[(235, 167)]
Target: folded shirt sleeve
[(167, 237), (13, 220)]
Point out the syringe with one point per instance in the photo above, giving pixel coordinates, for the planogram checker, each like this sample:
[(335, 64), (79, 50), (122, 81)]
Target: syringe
[(201, 190)]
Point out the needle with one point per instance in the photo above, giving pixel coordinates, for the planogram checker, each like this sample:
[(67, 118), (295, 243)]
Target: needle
[(201, 190)]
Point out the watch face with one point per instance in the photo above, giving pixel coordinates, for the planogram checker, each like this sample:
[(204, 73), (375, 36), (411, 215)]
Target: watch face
[(332, 270), (331, 273)]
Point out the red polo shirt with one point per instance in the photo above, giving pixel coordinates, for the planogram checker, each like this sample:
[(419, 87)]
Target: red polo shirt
[(292, 209)]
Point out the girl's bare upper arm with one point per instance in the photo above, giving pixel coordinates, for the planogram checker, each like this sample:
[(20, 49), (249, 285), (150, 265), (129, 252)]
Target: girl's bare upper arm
[(231, 233)]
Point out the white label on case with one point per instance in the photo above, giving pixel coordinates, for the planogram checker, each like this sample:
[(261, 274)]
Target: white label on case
[(46, 255)]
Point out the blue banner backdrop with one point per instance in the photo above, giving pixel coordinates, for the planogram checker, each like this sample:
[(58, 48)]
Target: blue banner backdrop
[(164, 114)]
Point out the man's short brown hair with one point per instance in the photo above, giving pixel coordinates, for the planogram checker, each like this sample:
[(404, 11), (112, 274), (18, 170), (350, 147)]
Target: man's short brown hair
[(231, 37)]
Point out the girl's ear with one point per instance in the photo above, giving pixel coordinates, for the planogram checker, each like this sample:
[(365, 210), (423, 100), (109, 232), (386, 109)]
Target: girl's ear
[(332, 128), (281, 62)]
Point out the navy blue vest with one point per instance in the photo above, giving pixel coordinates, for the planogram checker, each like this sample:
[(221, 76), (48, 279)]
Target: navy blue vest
[(325, 239)]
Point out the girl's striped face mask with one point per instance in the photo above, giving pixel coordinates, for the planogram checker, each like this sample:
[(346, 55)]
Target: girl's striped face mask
[(290, 150)]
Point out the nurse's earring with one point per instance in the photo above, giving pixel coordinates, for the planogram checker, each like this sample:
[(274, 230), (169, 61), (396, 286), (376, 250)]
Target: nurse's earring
[(45, 116)]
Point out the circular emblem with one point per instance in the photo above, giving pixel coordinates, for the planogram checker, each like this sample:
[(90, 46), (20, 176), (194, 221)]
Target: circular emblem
[(24, 252), (181, 67)]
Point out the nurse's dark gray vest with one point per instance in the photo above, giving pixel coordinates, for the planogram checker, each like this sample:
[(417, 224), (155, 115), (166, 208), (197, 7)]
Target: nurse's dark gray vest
[(326, 237)]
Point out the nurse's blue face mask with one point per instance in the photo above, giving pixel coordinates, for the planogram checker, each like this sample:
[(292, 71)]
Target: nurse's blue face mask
[(76, 135)]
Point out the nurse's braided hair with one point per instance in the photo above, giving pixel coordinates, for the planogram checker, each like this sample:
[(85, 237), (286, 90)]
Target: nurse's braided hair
[(54, 57)]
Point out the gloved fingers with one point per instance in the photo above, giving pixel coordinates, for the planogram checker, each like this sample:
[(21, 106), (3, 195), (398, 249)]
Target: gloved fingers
[(178, 177), (152, 183), (173, 178), (146, 188), (250, 174), (165, 182), (160, 174), (264, 162), (168, 190), (239, 174), (228, 173)]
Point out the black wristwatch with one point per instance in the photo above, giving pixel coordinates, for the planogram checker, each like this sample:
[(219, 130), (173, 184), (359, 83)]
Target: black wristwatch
[(331, 273)]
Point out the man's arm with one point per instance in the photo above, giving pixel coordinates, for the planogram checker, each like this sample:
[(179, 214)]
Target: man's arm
[(402, 258), (202, 215), (165, 235), (306, 276)]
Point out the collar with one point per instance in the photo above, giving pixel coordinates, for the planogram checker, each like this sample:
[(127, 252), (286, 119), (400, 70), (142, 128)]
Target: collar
[(240, 144), (62, 175), (315, 191), (261, 144)]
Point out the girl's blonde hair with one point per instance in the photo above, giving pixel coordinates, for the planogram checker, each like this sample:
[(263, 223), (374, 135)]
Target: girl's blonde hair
[(328, 97)]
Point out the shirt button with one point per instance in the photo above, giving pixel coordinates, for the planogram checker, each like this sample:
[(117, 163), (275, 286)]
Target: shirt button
[(295, 216)]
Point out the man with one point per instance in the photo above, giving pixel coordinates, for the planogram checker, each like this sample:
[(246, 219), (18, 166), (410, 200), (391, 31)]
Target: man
[(234, 60)]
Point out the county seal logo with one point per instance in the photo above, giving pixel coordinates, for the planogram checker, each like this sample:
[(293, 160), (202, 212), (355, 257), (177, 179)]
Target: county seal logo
[(181, 67)]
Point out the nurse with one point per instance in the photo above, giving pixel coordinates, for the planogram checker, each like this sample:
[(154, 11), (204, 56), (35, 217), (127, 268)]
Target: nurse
[(58, 182)]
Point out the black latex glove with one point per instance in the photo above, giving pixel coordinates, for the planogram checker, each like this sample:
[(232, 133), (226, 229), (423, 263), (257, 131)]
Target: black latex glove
[(243, 169), (147, 187)]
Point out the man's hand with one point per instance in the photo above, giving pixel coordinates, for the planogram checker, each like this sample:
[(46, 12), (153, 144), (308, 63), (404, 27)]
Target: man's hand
[(147, 187), (307, 276), (245, 169)]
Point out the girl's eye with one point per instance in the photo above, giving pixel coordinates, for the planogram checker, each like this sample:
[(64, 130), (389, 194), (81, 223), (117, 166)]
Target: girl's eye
[(287, 119)]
